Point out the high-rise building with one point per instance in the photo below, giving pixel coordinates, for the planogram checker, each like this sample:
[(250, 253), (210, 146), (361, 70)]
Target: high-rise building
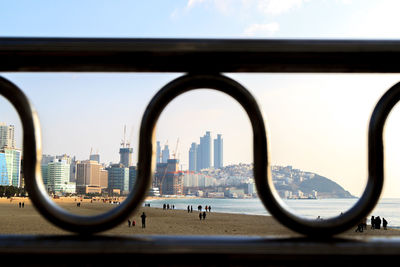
[(172, 182), (158, 152), (57, 176), (206, 151), (103, 178), (3, 170), (203, 152), (95, 157), (165, 154), (13, 162), (118, 178), (193, 157), (126, 156), (89, 177), (218, 152), (132, 177), (7, 138)]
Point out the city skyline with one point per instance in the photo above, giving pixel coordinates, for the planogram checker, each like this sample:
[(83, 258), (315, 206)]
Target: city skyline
[(316, 122)]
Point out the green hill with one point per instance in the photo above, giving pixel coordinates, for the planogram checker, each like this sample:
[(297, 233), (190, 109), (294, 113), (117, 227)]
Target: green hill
[(326, 188)]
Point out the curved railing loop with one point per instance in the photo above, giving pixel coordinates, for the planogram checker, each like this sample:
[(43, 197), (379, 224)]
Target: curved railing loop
[(34, 182)]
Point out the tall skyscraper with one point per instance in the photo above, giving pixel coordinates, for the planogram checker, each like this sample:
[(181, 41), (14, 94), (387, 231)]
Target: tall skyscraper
[(193, 157), (165, 154), (7, 138), (3, 170), (158, 152), (218, 152), (126, 156), (203, 153), (206, 151), (13, 162)]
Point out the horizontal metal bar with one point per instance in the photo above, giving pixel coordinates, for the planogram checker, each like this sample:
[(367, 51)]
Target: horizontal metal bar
[(194, 251), (197, 55)]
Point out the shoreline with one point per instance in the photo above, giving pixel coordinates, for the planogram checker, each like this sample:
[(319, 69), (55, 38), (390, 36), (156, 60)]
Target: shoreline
[(15, 220)]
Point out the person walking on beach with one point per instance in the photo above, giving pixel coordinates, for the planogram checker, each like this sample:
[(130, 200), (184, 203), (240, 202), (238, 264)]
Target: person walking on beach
[(372, 222), (384, 223), (164, 206), (23, 204), (129, 223), (204, 215), (200, 215), (188, 208), (378, 222), (191, 209), (209, 208), (143, 216), (206, 208), (20, 204)]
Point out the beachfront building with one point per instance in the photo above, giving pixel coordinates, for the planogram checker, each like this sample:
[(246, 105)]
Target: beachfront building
[(132, 177), (3, 170), (7, 138), (57, 176), (10, 163), (193, 179), (118, 178), (168, 179), (90, 177)]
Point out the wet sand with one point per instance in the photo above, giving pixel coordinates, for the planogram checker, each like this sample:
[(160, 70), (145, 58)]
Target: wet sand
[(15, 220)]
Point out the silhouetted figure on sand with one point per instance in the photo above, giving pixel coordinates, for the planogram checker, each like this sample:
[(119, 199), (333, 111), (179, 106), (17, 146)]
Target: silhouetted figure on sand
[(200, 215), (20, 204), (372, 222), (384, 223), (209, 208), (129, 223), (143, 216), (23, 204), (191, 209), (378, 222), (188, 208), (204, 215)]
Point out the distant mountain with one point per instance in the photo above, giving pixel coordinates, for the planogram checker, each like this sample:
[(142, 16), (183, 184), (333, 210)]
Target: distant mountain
[(326, 188)]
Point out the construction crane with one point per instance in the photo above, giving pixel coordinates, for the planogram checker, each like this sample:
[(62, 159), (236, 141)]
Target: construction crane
[(176, 149)]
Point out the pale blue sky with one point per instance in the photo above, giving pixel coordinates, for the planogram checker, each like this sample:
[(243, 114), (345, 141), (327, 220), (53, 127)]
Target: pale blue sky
[(317, 122)]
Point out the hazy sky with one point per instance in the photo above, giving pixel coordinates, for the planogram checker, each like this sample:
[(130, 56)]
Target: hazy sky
[(316, 122)]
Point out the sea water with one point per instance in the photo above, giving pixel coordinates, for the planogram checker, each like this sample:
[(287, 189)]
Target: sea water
[(388, 208)]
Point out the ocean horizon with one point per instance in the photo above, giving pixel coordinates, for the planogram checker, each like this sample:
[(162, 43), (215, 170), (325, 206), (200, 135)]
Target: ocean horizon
[(388, 208)]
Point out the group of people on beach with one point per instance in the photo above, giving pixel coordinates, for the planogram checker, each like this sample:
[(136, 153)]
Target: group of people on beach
[(133, 223), (167, 207), (375, 224), (21, 204)]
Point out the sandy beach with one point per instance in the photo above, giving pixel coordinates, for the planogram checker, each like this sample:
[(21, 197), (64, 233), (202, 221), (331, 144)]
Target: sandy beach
[(26, 220)]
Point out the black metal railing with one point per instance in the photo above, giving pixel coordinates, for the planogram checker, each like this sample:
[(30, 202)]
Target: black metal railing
[(203, 61)]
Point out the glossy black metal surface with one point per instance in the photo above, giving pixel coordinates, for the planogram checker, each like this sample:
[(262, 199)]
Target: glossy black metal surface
[(197, 55)]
